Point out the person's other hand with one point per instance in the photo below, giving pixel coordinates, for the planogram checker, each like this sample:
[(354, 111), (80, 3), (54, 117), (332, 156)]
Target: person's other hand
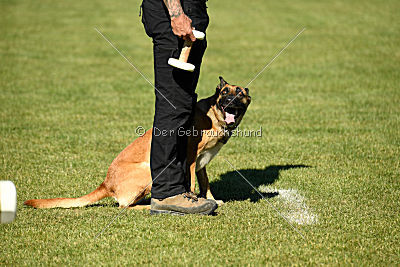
[(182, 27)]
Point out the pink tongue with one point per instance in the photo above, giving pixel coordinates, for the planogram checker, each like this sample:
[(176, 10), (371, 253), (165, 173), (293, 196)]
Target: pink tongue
[(229, 118)]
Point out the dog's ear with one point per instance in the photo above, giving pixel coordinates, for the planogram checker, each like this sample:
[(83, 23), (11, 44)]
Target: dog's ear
[(221, 84), (248, 96)]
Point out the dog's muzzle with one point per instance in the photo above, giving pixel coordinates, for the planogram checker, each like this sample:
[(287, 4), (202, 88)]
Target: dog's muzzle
[(232, 108)]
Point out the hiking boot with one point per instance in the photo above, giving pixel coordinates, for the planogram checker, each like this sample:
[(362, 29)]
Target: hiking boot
[(186, 203)]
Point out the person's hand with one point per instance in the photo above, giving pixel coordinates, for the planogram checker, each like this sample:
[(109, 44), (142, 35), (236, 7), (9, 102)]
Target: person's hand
[(182, 27)]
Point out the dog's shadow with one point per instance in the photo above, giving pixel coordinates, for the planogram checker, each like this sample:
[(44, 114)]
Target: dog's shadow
[(232, 186)]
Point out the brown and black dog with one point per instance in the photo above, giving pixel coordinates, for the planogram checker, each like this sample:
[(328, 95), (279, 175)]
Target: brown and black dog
[(128, 178)]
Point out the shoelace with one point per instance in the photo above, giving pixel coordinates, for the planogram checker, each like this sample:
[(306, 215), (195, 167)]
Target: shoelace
[(190, 195)]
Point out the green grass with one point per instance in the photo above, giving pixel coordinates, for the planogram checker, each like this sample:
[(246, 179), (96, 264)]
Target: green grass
[(331, 101)]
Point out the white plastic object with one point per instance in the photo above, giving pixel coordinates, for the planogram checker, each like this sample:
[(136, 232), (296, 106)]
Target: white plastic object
[(180, 64), (199, 35), (8, 201)]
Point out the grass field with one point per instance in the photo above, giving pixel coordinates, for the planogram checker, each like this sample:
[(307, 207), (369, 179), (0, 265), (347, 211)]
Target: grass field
[(329, 108)]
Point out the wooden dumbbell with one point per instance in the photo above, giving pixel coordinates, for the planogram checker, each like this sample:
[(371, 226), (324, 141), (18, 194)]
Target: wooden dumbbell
[(182, 63)]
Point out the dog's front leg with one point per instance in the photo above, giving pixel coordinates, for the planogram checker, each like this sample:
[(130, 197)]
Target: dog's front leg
[(192, 152), (192, 170), (204, 185)]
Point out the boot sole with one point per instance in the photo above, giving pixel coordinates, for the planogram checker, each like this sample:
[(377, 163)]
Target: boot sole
[(172, 212), (158, 212)]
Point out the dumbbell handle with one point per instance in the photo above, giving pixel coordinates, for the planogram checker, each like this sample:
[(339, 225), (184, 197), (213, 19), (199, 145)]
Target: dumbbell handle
[(185, 52), (187, 46)]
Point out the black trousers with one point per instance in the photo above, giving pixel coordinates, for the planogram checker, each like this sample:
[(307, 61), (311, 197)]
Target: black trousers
[(175, 95)]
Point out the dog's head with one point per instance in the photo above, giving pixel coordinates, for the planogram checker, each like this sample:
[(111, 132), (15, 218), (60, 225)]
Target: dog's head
[(233, 101)]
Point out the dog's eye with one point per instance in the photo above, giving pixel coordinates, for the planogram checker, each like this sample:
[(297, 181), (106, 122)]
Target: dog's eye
[(239, 92), (225, 91)]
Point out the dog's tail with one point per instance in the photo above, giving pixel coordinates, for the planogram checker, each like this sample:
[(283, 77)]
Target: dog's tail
[(99, 193)]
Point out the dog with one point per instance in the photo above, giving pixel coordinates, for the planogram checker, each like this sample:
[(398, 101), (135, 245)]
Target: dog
[(128, 178)]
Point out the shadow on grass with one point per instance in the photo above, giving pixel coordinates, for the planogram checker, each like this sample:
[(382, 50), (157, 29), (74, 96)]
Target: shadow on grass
[(144, 201), (105, 205), (232, 186)]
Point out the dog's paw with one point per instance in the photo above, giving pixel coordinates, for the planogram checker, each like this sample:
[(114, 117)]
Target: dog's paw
[(220, 202)]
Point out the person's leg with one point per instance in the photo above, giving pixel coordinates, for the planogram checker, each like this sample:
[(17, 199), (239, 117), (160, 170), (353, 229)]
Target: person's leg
[(168, 152), (173, 108), (175, 99)]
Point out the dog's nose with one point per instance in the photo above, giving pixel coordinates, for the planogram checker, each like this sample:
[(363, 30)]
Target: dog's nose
[(229, 98)]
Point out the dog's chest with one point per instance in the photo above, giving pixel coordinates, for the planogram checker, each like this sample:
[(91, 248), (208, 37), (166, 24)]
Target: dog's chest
[(207, 155)]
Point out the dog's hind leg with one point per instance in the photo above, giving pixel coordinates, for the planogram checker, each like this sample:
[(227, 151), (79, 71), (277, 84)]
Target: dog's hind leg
[(134, 183), (142, 204), (129, 200)]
